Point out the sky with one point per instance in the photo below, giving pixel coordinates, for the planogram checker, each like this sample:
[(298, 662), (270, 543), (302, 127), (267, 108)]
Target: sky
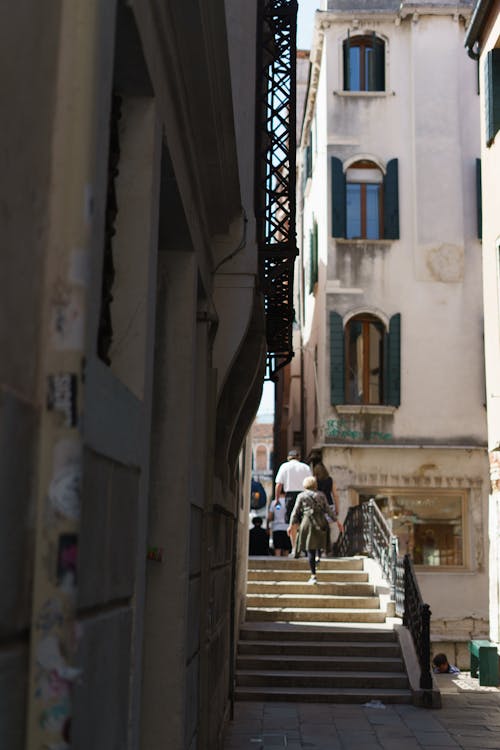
[(305, 22)]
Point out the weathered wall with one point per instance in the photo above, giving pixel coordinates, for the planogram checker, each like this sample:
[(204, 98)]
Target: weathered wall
[(28, 33)]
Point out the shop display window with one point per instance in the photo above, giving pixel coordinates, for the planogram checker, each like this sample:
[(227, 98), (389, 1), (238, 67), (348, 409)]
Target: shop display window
[(429, 525)]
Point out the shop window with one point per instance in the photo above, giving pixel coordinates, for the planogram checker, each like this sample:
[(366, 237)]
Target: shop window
[(429, 525)]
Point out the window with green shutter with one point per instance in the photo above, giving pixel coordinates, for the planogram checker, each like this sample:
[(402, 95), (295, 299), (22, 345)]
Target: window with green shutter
[(313, 257), (337, 370), (365, 203), (479, 200), (492, 94), (365, 360)]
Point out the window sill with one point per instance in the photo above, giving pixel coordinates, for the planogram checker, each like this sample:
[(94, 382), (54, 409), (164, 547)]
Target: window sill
[(380, 409), (364, 94), (363, 242)]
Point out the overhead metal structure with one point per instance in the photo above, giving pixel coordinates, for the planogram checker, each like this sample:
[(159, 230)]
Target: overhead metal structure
[(275, 174)]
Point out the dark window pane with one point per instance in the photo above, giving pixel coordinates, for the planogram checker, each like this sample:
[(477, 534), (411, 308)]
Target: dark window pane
[(373, 212), (353, 210)]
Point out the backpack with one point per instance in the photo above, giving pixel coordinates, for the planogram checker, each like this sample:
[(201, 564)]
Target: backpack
[(258, 498)]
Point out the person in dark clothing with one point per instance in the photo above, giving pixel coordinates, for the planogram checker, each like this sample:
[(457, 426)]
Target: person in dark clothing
[(258, 539)]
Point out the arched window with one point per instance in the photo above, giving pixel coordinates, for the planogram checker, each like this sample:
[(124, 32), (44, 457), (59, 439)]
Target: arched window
[(364, 209), (364, 63), (373, 200), (365, 360), (364, 342)]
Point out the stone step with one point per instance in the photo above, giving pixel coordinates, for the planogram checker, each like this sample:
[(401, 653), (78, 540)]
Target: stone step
[(314, 614), (320, 663), (322, 695), (311, 599), (293, 587), (290, 563), (316, 649), (303, 573), (283, 633), (324, 679)]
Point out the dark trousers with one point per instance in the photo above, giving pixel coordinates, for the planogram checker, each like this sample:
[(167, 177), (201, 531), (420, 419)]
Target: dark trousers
[(311, 556)]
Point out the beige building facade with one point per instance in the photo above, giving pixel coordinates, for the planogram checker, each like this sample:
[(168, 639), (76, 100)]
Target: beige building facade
[(482, 42), (390, 299)]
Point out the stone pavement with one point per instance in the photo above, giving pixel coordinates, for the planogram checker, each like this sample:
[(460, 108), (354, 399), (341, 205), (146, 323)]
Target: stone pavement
[(469, 719)]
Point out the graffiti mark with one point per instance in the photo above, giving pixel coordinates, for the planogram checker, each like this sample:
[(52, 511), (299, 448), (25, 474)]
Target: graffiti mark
[(341, 429), (61, 396)]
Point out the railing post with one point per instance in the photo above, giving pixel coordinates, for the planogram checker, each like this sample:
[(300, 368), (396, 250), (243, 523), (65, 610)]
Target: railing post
[(425, 673), (371, 503), (394, 562)]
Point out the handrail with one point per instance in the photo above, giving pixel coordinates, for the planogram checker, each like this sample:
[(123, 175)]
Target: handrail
[(366, 532)]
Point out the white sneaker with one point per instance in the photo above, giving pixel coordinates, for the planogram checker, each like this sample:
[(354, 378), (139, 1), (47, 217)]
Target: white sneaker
[(312, 580)]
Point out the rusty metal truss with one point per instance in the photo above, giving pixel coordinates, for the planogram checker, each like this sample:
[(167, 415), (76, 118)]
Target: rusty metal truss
[(275, 173)]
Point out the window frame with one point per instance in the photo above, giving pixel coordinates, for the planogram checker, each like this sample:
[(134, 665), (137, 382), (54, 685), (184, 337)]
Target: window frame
[(366, 319), (363, 216), (364, 42), (461, 494)]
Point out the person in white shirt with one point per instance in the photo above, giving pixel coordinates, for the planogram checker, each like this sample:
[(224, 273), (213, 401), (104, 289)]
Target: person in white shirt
[(276, 516), (289, 482)]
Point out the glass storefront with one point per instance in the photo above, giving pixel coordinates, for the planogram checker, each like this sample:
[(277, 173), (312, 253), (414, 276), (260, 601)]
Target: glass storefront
[(429, 526)]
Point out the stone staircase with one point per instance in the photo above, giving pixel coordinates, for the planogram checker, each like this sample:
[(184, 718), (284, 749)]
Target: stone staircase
[(327, 642)]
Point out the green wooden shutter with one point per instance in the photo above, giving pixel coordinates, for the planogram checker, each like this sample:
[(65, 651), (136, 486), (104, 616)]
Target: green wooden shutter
[(338, 198), (479, 200), (347, 74), (492, 94), (393, 374), (391, 201), (337, 368), (379, 65), (313, 271)]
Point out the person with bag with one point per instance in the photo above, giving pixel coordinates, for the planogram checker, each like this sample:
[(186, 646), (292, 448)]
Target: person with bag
[(312, 507), (276, 516)]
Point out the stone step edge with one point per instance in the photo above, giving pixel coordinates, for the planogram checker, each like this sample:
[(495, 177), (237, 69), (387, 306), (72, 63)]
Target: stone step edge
[(396, 660), (380, 693)]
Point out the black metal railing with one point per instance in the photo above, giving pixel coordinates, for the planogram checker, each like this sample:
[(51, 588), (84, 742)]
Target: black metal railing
[(366, 532), (275, 144)]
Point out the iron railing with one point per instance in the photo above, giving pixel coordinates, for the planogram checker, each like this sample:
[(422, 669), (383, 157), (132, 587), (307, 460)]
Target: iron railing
[(275, 144), (366, 533)]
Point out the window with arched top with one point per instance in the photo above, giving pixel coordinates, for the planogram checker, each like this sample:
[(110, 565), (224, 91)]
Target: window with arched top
[(364, 63), (364, 351), (364, 201), (365, 360)]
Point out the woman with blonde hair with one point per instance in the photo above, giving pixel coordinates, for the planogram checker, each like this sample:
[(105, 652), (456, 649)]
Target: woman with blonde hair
[(312, 507)]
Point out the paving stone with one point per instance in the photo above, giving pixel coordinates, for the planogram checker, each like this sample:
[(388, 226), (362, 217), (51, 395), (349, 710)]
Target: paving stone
[(435, 739)]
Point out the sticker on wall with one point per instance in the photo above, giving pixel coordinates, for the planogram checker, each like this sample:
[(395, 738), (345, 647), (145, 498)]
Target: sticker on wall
[(155, 553), (64, 493), (50, 616), (67, 552), (61, 396)]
